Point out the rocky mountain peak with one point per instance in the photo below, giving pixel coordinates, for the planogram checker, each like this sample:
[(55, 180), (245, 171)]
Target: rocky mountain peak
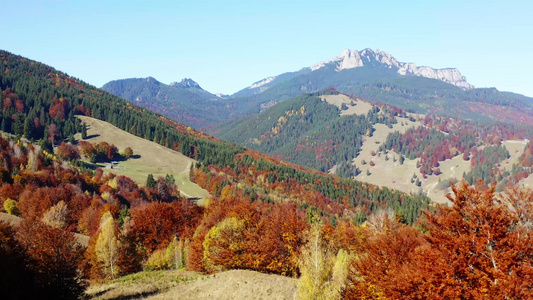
[(351, 59), (186, 83)]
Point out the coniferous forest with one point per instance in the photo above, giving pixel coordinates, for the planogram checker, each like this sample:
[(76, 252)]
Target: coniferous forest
[(79, 226)]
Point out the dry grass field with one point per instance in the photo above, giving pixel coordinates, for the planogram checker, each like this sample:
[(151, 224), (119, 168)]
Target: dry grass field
[(355, 107), (388, 172), (234, 284), (149, 157), (515, 148)]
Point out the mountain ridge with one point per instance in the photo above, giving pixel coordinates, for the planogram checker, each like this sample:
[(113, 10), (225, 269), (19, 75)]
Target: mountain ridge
[(375, 76), (351, 59)]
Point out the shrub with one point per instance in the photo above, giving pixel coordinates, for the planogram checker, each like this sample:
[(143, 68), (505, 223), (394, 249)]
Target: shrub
[(158, 261), (127, 153), (171, 257), (10, 206)]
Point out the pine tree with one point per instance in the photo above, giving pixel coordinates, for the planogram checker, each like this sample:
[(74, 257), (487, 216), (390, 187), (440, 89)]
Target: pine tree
[(150, 181), (84, 131)]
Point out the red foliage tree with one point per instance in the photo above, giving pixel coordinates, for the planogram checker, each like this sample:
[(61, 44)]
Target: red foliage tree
[(87, 149), (68, 152), (155, 224), (57, 111), (16, 278), (53, 133), (481, 247), (55, 256)]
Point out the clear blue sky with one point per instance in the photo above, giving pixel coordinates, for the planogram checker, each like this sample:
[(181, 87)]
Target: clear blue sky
[(228, 45)]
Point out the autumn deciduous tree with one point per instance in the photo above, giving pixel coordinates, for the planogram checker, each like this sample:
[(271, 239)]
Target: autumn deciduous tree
[(323, 272), (56, 216), (55, 257), (156, 224), (10, 206), (223, 244), (16, 279), (107, 246), (386, 263), (476, 249), (482, 246), (127, 152), (68, 152), (87, 149)]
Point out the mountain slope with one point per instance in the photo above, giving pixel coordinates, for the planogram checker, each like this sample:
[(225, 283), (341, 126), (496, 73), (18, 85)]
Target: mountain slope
[(184, 101), (378, 76), (381, 144), (305, 130), (30, 88), (150, 158), (367, 74)]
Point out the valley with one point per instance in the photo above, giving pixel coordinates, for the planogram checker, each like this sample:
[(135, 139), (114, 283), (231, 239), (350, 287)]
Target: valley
[(300, 150), (352, 183)]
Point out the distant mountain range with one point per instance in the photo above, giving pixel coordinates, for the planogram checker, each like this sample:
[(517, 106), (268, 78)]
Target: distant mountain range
[(375, 76), (183, 101)]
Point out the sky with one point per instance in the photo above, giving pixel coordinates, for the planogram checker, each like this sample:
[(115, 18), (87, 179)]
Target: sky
[(226, 46)]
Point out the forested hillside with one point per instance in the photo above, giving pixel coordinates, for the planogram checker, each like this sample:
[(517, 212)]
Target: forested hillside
[(264, 214), (36, 87), (329, 131), (306, 130), (185, 102), (40, 102), (375, 82)]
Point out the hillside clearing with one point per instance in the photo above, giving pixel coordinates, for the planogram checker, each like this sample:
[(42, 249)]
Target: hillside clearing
[(355, 107), (393, 175), (516, 149), (234, 284), (151, 158)]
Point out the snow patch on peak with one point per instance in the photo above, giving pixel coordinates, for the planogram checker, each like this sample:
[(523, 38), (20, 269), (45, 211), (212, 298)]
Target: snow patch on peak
[(262, 82)]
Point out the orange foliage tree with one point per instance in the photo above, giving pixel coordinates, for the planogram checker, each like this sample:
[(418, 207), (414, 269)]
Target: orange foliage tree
[(256, 236), (68, 152), (481, 247), (55, 256), (156, 224)]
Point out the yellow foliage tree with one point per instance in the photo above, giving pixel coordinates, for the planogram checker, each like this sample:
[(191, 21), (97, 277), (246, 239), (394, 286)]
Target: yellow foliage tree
[(323, 273), (10, 206), (113, 183), (226, 192), (175, 254), (222, 242), (158, 261), (171, 257), (107, 245)]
